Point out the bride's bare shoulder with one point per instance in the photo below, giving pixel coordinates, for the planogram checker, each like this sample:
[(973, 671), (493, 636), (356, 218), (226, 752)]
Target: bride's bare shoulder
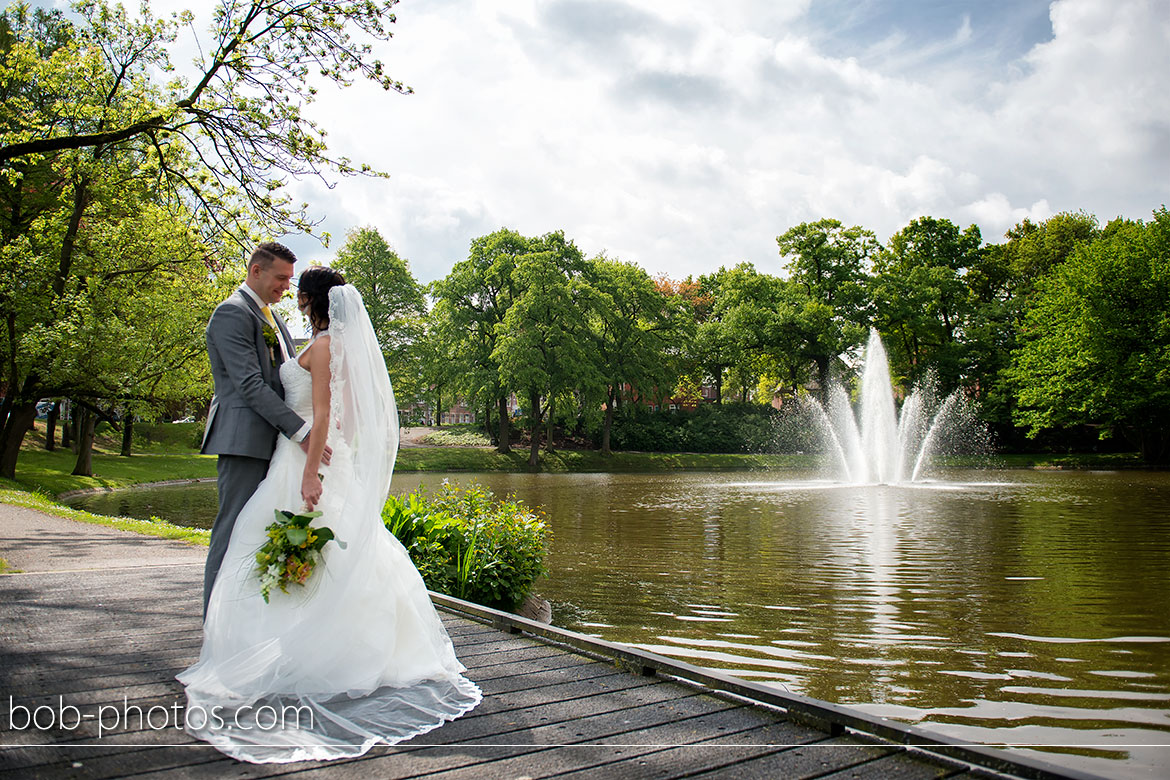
[(316, 356)]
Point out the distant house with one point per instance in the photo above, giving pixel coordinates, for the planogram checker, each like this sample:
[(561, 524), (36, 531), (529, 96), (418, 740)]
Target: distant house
[(457, 414)]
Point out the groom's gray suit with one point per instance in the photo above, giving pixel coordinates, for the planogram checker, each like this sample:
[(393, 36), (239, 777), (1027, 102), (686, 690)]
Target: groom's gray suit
[(247, 412)]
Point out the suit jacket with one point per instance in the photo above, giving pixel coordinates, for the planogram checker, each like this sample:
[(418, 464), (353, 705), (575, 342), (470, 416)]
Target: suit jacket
[(248, 409)]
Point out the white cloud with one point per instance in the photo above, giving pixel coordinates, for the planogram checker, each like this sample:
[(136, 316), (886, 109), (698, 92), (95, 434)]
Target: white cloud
[(684, 138), (685, 135)]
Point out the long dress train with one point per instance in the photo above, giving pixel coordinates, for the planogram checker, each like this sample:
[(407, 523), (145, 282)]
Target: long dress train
[(356, 657)]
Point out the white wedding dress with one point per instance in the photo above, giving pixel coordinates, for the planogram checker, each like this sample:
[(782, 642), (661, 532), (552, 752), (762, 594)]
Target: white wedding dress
[(357, 656)]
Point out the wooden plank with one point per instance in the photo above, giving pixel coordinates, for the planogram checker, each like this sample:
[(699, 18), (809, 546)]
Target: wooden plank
[(604, 750), (902, 766), (832, 755)]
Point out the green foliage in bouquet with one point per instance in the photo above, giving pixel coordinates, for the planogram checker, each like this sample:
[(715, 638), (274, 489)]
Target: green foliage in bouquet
[(292, 551), (470, 545)]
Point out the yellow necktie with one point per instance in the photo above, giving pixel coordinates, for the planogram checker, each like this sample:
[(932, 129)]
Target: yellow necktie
[(268, 316)]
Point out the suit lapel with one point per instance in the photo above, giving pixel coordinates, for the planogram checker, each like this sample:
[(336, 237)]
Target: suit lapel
[(282, 331)]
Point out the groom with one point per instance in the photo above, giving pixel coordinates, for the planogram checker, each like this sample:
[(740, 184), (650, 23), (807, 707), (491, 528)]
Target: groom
[(247, 342)]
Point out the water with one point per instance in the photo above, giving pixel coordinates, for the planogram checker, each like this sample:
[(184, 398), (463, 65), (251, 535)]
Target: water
[(996, 606)]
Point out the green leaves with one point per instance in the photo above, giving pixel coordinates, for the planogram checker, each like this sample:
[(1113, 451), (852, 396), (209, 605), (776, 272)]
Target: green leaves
[(1095, 348), (394, 301), (468, 544)]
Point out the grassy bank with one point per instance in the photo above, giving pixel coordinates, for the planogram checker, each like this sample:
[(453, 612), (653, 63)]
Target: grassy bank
[(49, 472), (589, 461), (1084, 461), (165, 452)]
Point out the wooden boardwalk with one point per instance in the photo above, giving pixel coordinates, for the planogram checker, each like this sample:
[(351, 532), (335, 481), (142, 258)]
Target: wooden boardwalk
[(116, 637)]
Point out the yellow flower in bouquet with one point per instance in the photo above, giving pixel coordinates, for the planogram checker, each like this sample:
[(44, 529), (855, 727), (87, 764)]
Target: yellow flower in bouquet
[(292, 552)]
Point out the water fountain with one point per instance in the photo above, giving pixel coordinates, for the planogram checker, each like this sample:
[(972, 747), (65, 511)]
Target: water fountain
[(879, 445)]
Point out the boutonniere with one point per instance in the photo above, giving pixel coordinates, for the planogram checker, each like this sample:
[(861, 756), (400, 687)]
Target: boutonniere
[(270, 339)]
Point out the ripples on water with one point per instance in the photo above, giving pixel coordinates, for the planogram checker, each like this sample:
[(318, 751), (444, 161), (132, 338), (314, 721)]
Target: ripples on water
[(1001, 607)]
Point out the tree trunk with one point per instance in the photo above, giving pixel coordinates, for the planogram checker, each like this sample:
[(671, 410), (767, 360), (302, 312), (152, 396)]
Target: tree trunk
[(438, 407), (719, 386), (127, 434), (548, 443), (84, 467), (823, 376), (503, 445), (67, 424), (20, 419), (75, 426), (51, 426), (607, 426), (534, 451)]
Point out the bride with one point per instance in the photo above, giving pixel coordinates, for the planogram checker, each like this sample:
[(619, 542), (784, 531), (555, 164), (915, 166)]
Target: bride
[(357, 656)]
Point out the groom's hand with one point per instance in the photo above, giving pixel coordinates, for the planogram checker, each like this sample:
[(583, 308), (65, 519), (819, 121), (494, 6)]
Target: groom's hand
[(326, 456)]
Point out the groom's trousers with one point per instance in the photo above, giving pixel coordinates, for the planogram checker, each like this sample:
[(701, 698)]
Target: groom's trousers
[(239, 476)]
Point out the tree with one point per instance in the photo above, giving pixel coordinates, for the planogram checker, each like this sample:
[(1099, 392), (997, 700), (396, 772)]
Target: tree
[(1002, 285), (543, 346), (240, 112), (394, 301), (1095, 349), (85, 118), (470, 305), (746, 331), (130, 339), (634, 327), (715, 348), (922, 301), (829, 264)]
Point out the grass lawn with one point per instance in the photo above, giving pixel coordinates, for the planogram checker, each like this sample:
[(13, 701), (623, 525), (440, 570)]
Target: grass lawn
[(1079, 460), (49, 472), (167, 452)]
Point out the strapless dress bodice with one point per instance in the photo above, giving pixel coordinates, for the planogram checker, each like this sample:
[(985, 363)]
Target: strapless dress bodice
[(298, 388)]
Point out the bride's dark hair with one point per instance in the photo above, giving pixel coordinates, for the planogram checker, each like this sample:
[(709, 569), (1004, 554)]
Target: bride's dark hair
[(315, 284)]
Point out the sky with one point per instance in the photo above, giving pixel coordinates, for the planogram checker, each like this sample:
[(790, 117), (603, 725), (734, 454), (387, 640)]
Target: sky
[(686, 135)]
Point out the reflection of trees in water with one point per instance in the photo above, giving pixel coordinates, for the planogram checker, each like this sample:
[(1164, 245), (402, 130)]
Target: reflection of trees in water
[(192, 505)]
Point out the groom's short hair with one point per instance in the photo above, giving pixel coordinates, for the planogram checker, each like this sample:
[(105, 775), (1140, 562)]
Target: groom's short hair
[(269, 252)]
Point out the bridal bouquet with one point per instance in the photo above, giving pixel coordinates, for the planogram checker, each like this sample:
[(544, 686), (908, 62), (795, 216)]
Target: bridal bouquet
[(292, 551)]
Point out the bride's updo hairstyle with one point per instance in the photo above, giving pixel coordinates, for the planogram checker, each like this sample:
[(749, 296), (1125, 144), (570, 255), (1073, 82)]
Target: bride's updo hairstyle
[(315, 284)]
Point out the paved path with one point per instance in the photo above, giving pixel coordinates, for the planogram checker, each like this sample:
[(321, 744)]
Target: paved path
[(33, 541)]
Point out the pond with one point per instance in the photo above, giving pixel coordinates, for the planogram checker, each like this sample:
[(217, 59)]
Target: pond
[(1014, 607)]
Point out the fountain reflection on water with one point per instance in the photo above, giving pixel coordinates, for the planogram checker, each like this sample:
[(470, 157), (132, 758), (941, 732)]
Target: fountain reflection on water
[(879, 445)]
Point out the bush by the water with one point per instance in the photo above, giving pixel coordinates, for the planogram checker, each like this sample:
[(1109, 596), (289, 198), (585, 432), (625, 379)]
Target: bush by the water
[(729, 427), (468, 544)]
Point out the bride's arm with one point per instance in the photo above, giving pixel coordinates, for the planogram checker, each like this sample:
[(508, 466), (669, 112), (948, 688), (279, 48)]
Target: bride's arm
[(319, 371)]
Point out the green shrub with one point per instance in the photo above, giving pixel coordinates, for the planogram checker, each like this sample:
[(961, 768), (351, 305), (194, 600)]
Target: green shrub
[(470, 545), (730, 427)]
